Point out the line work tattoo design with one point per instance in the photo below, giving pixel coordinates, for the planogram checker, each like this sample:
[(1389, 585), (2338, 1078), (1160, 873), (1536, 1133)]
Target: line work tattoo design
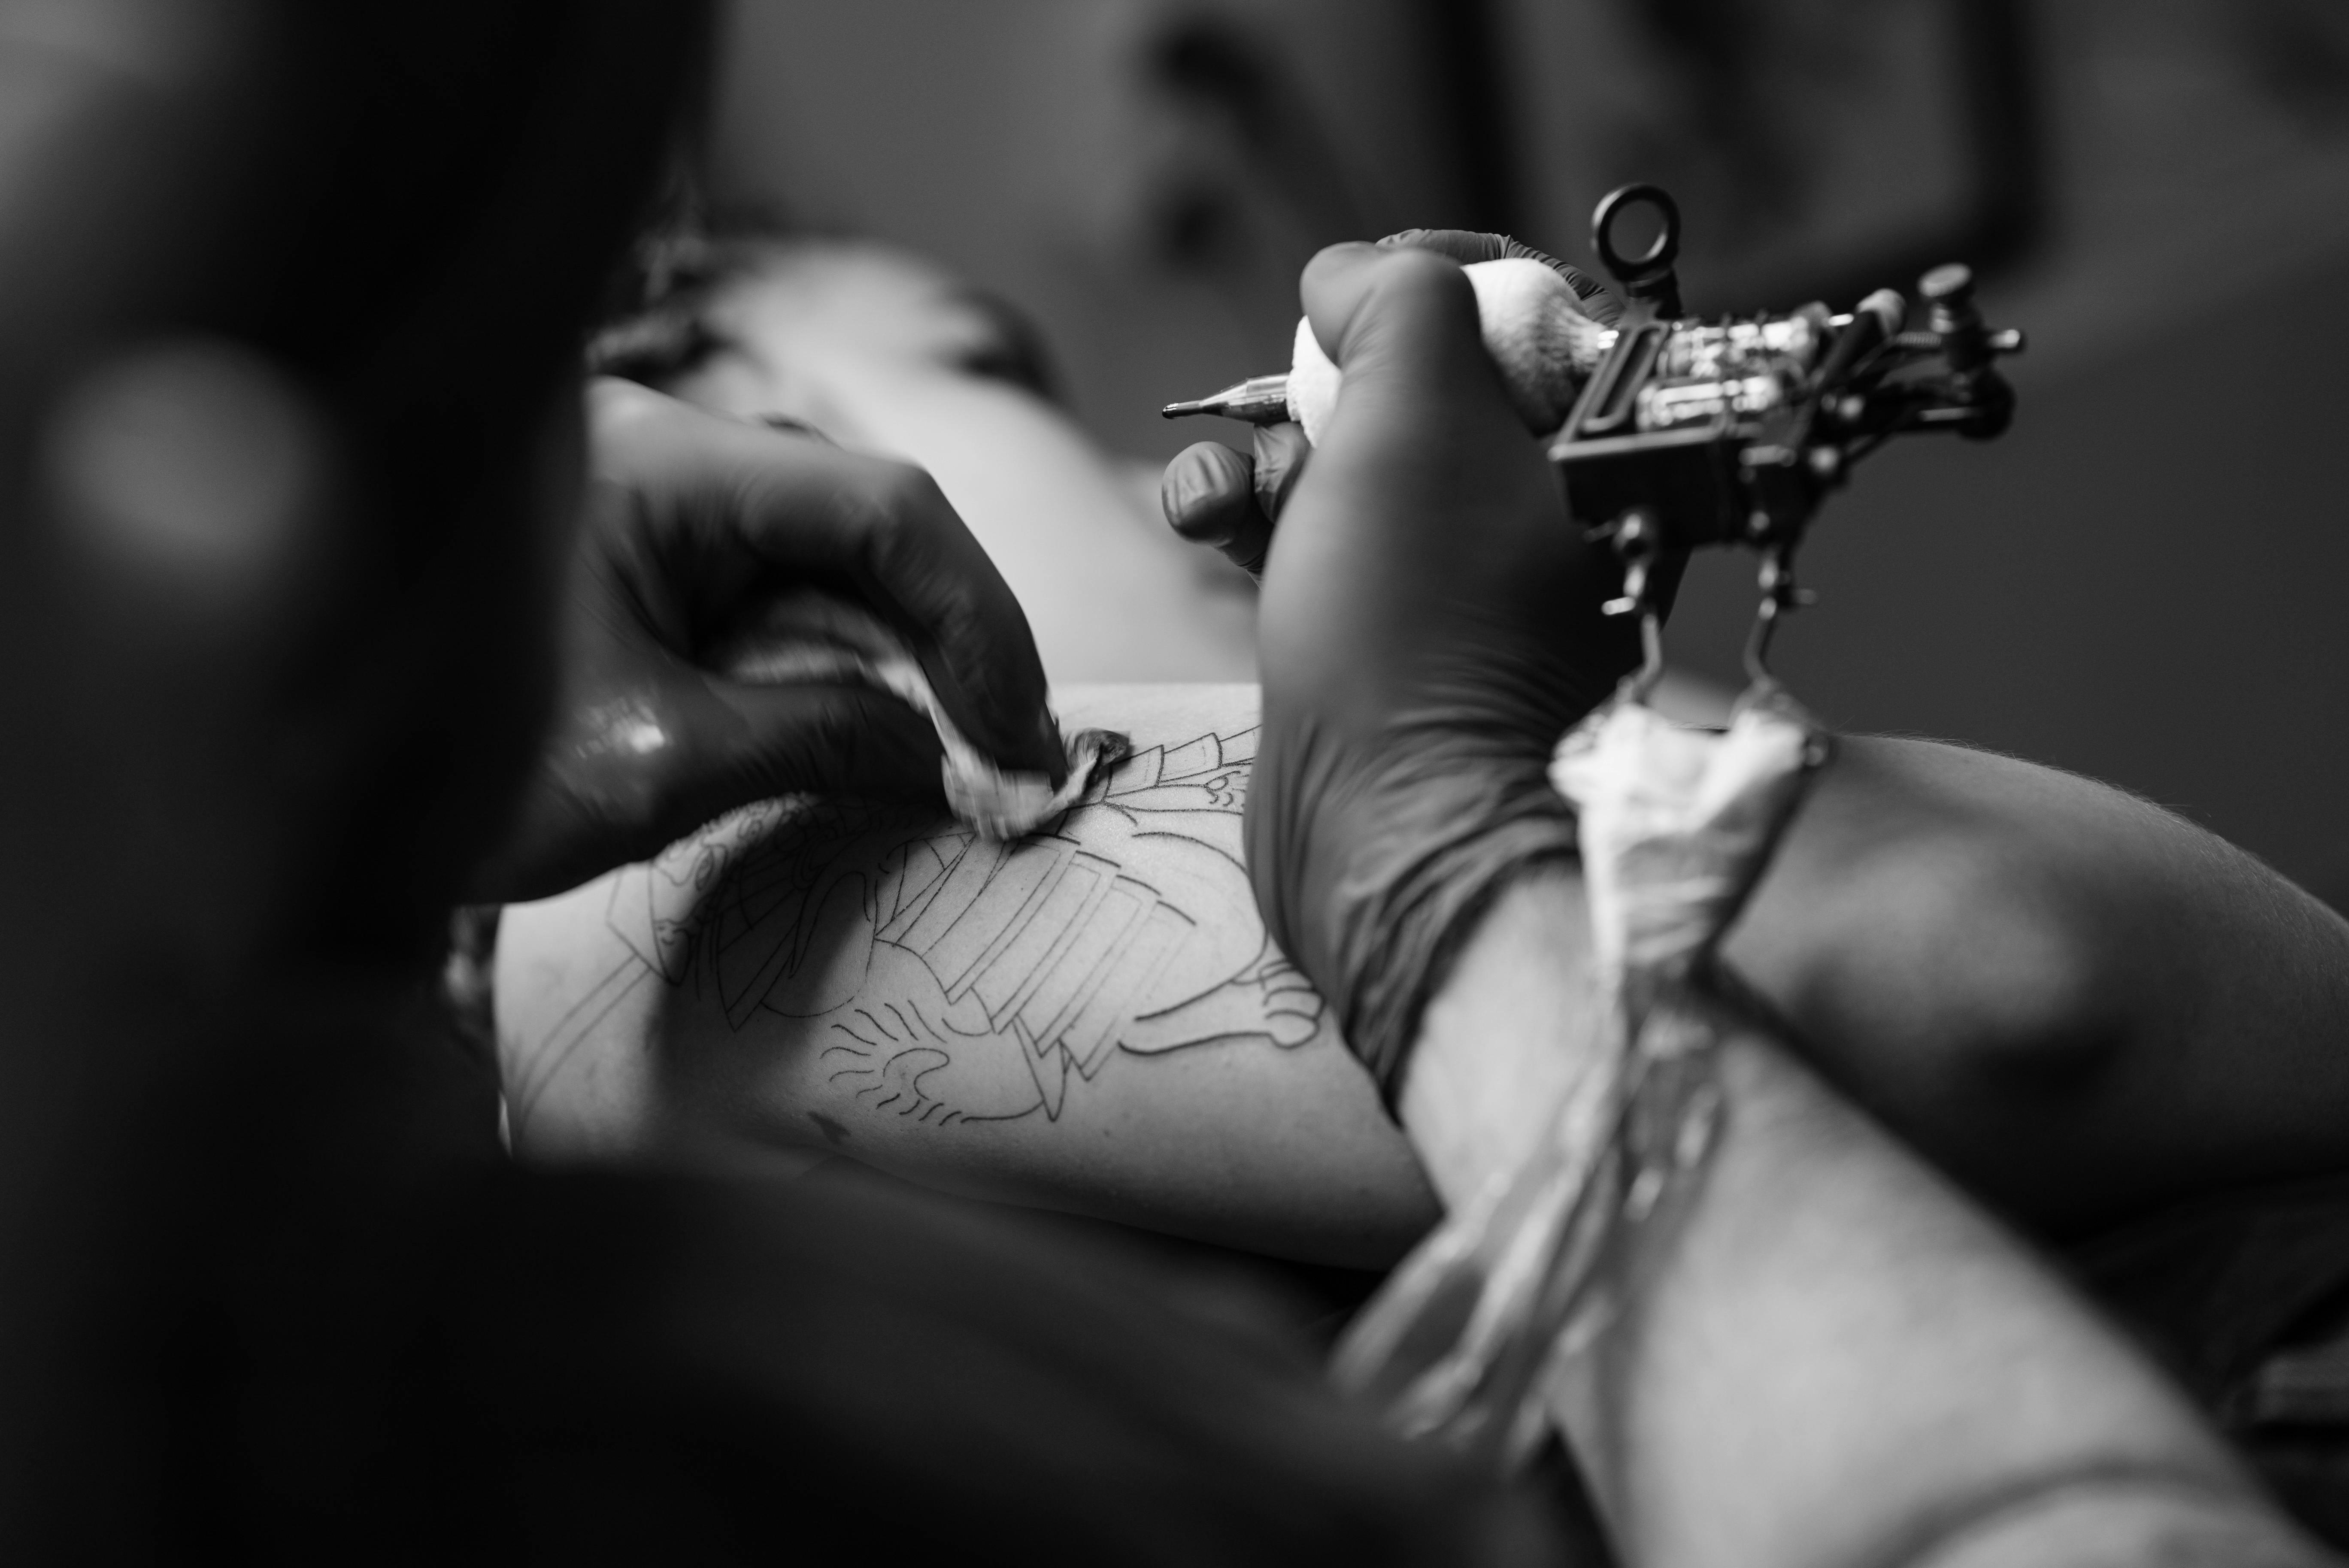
[(947, 979)]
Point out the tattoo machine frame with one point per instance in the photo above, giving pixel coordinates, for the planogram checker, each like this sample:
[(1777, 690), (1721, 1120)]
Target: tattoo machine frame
[(1696, 432)]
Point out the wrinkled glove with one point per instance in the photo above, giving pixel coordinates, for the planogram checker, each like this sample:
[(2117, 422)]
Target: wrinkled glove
[(693, 526), (1430, 626)]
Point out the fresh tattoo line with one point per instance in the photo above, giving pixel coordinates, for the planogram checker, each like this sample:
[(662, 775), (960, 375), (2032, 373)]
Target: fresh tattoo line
[(946, 979)]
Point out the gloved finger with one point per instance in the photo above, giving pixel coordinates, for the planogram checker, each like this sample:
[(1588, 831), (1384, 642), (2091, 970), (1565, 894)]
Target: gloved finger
[(1209, 496), (1468, 245), (1281, 451), (796, 426), (757, 741), (798, 507)]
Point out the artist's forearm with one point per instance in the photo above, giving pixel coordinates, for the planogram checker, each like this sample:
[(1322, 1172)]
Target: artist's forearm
[(1838, 1358)]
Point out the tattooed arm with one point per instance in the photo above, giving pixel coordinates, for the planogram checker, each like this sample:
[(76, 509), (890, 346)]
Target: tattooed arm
[(1090, 1019)]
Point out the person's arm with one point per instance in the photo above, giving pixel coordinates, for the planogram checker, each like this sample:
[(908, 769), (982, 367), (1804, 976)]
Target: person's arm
[(1838, 1360), (2078, 1004), (1090, 1019)]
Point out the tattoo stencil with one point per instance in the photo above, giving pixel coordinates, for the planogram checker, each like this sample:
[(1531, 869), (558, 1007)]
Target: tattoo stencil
[(945, 978)]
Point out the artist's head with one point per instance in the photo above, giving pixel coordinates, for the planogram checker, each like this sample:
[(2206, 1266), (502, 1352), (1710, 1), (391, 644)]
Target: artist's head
[(292, 299)]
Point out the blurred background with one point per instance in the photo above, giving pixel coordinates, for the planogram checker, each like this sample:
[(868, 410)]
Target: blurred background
[(2141, 582)]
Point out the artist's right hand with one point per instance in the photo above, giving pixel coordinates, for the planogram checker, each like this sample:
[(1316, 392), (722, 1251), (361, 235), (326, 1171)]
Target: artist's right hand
[(692, 522), (1230, 500), (1430, 626)]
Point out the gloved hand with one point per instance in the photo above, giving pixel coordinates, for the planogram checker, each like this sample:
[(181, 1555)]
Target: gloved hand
[(1430, 626), (1230, 500), (690, 525)]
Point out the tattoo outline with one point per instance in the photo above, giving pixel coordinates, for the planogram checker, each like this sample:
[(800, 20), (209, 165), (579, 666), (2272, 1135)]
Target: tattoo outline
[(924, 960)]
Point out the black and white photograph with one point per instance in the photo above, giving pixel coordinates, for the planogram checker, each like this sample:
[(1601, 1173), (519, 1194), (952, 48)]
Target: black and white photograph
[(1166, 782)]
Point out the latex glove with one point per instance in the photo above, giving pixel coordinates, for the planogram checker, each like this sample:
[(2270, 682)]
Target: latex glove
[(692, 526), (1229, 500), (1430, 627)]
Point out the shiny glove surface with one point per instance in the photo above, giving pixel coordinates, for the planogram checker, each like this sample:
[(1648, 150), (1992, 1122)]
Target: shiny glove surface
[(691, 525), (1430, 627)]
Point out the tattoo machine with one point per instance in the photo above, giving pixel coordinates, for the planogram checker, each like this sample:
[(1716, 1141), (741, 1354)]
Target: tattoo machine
[(1673, 431)]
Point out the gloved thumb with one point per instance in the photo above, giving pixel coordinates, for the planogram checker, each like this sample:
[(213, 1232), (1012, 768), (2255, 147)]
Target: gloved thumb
[(1402, 324)]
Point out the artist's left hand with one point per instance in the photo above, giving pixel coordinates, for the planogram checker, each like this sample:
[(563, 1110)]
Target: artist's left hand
[(689, 523)]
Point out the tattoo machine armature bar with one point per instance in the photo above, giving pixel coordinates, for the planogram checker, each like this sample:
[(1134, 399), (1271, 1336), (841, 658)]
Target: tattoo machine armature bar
[(1690, 432)]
